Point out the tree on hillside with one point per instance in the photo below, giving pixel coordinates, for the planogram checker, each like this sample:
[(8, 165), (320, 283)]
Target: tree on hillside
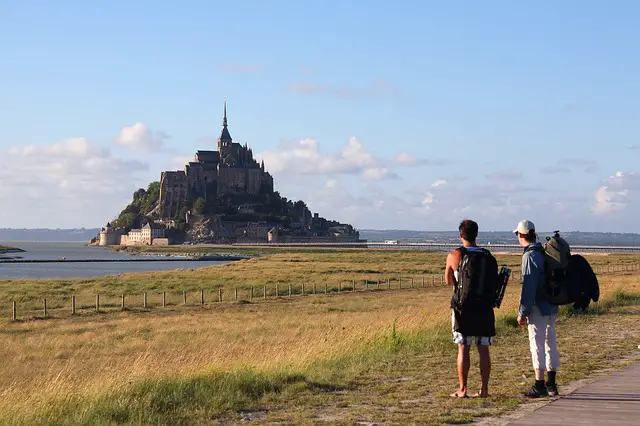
[(199, 206)]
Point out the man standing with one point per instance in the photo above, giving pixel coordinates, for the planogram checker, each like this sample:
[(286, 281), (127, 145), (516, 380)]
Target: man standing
[(473, 272), (538, 314)]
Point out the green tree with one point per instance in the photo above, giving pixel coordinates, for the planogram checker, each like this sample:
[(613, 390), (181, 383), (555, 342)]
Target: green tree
[(127, 221), (199, 206)]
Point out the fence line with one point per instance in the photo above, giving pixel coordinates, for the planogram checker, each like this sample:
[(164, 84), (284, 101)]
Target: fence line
[(350, 287)]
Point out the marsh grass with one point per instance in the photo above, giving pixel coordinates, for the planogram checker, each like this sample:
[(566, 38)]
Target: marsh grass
[(375, 356), (333, 269)]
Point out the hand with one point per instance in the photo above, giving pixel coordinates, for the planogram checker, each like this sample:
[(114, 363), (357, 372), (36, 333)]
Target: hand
[(522, 321)]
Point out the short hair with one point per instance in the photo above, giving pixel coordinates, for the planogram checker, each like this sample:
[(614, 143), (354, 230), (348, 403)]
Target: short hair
[(468, 230), (531, 237)]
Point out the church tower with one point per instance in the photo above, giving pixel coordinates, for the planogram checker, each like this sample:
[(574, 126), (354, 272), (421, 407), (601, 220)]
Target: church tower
[(225, 141)]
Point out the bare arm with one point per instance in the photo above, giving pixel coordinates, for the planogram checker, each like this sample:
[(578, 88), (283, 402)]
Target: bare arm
[(453, 260)]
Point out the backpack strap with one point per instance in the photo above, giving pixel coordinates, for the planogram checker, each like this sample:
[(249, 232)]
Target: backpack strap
[(534, 247)]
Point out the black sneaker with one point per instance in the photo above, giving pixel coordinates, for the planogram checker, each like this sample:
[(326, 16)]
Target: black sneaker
[(552, 389), (536, 392)]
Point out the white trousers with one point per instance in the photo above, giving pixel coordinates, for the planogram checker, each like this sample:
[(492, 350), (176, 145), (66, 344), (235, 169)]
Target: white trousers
[(542, 341)]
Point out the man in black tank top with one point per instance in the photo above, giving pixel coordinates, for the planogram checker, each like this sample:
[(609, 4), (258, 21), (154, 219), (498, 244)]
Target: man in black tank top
[(470, 325)]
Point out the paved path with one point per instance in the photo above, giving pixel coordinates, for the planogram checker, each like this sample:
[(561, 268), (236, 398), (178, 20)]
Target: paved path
[(610, 400)]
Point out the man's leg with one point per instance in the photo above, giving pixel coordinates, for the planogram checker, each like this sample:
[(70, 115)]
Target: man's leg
[(464, 363), (485, 369), (552, 356), (537, 329)]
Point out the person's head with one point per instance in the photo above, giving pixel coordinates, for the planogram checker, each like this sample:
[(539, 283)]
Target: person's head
[(526, 232), (468, 231)]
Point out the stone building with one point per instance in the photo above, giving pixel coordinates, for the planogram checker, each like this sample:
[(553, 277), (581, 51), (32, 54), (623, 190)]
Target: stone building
[(231, 170), (149, 234), (109, 236)]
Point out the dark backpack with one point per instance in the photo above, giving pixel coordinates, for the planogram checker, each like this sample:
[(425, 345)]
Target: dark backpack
[(477, 280), (559, 286)]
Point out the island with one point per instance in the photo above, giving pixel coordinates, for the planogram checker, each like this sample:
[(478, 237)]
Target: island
[(221, 197)]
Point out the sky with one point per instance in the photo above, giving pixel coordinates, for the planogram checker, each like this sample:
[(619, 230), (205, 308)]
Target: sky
[(385, 115)]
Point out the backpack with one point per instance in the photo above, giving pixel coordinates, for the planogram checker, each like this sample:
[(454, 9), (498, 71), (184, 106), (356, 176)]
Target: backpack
[(477, 280), (559, 286)]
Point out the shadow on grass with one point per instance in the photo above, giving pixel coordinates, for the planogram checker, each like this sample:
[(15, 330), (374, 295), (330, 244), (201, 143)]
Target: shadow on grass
[(615, 299)]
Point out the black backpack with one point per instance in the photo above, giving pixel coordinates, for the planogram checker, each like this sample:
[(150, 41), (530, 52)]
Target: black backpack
[(477, 280)]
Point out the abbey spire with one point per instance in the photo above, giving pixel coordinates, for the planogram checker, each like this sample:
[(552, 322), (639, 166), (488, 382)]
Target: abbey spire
[(225, 136)]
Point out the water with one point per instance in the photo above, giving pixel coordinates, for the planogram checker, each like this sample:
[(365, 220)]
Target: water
[(52, 250)]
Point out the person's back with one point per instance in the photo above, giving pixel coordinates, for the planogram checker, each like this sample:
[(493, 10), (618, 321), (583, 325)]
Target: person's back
[(473, 271), (533, 276)]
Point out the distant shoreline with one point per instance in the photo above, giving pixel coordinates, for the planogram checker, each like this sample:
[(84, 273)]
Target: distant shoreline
[(8, 250)]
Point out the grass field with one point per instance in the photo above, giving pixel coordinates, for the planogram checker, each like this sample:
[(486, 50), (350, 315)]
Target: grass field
[(363, 356), (325, 267)]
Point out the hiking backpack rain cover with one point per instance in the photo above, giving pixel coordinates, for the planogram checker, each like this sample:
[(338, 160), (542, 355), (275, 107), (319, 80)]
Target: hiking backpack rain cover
[(477, 280)]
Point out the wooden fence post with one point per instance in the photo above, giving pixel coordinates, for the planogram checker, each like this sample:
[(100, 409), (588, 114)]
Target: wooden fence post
[(326, 288), (144, 300), (264, 292), (388, 283), (289, 289), (353, 285), (220, 294), (202, 296), (366, 285), (235, 293), (411, 282), (422, 280), (303, 288), (122, 302), (251, 293), (276, 289), (433, 280), (14, 311), (339, 286), (97, 302), (44, 305), (164, 299), (314, 288), (378, 285), (184, 297), (441, 279), (73, 305), (400, 282)]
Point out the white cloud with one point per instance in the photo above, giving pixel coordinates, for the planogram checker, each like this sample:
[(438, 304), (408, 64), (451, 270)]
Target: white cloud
[(64, 183), (439, 182), (139, 137), (405, 158), (408, 160), (303, 157), (378, 173), (616, 193)]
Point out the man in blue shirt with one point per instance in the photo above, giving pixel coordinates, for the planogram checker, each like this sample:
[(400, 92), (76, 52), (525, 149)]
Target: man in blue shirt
[(537, 314)]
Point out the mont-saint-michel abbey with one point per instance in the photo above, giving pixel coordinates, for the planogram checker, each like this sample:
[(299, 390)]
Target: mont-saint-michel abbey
[(231, 170), (221, 196)]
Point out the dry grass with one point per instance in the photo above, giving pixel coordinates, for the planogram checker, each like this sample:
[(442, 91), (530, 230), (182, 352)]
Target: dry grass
[(330, 267), (90, 368)]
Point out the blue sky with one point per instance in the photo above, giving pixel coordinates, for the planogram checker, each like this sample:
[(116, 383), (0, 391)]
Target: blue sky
[(385, 115)]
